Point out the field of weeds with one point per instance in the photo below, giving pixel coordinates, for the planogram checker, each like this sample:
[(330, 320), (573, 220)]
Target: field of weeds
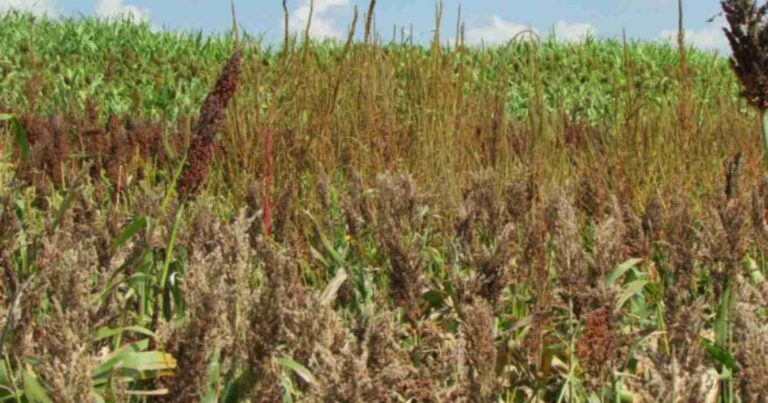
[(191, 218)]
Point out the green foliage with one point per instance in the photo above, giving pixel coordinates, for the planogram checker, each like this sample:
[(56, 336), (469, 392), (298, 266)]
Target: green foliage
[(130, 67)]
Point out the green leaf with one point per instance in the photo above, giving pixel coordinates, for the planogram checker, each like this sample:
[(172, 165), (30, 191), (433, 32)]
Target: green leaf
[(169, 249), (318, 256), (719, 355), (134, 279), (133, 366), (335, 255), (109, 363), (20, 209), (132, 229), (105, 332), (147, 393), (622, 269), (435, 298), (20, 133), (148, 361), (214, 372), (33, 390), (754, 271), (65, 204), (173, 300), (288, 389), (6, 386), (299, 369), (630, 291), (231, 393), (722, 319)]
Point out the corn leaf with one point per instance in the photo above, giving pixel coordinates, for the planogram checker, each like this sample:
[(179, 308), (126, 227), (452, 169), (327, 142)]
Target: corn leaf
[(299, 369), (132, 229), (105, 332), (622, 269), (719, 355), (19, 133), (631, 290), (33, 389)]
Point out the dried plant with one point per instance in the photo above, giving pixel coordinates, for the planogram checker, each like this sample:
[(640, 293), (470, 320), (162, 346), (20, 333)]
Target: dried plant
[(284, 211), (397, 213), (493, 265), (358, 207), (726, 240), (398, 201), (653, 218), (481, 211), (751, 340), (662, 379), (406, 275), (597, 347), (63, 341), (58, 151), (686, 327), (609, 250), (477, 337), (563, 230), (521, 193), (206, 328), (760, 209), (119, 154), (590, 199), (681, 249)]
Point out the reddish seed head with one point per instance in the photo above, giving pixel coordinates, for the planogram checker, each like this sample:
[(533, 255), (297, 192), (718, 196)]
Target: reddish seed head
[(196, 169), (211, 114), (214, 106), (597, 347), (747, 34)]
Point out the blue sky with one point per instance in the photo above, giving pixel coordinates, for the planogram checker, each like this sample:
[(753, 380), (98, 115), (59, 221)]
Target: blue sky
[(486, 21)]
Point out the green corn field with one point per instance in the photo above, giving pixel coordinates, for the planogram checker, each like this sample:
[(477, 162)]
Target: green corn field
[(194, 217)]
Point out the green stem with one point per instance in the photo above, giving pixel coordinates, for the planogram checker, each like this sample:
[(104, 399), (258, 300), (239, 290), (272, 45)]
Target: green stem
[(169, 248)]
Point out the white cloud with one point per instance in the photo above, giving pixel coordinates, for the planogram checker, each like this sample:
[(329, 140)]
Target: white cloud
[(710, 38), (322, 24), (36, 7), (116, 9), (494, 32), (573, 32), (497, 31)]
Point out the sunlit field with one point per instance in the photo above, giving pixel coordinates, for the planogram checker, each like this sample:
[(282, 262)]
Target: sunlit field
[(190, 217)]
